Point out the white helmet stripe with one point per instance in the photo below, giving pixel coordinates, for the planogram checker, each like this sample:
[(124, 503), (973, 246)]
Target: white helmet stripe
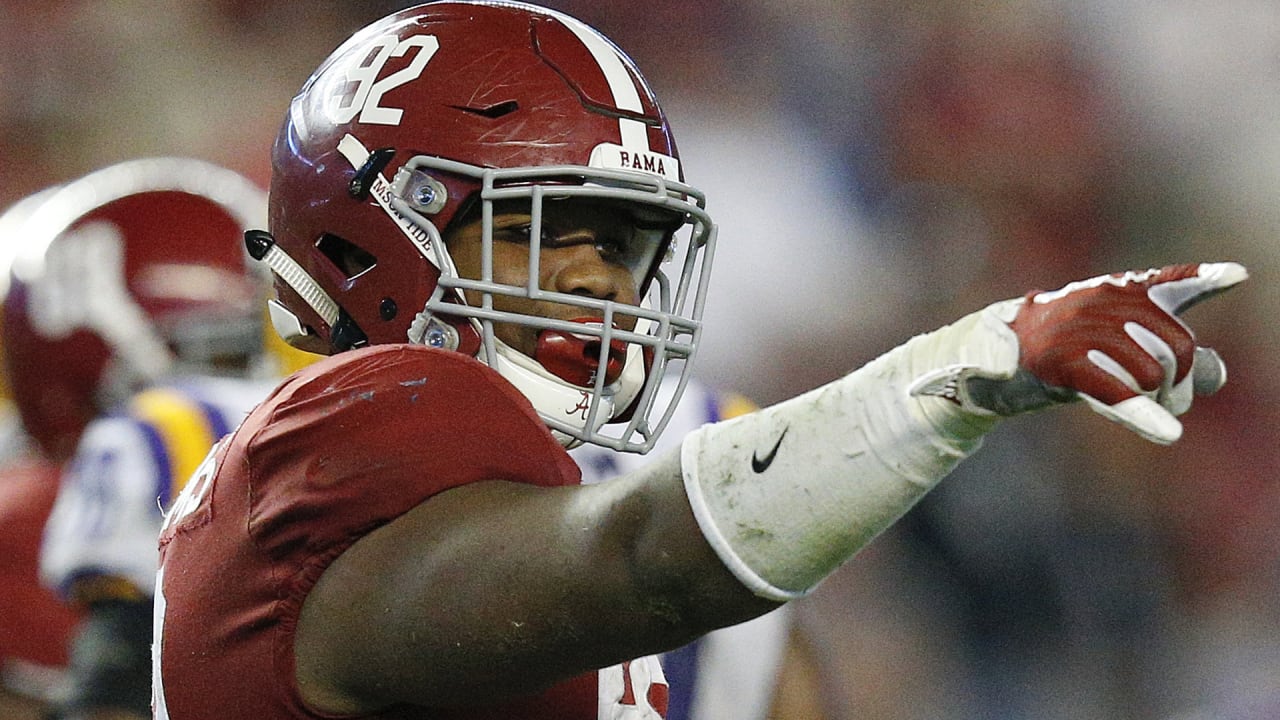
[(635, 135)]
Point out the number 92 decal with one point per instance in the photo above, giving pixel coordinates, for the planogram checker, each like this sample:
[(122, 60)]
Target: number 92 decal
[(366, 100)]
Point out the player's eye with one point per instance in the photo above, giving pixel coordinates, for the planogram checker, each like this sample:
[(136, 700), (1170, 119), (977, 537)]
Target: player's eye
[(612, 249), (522, 232)]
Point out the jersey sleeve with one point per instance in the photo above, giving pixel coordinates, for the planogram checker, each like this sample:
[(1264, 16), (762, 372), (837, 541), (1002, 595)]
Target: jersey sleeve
[(344, 446), (354, 444)]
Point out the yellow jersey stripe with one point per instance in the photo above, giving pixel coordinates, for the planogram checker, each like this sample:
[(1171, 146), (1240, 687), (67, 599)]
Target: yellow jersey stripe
[(184, 429), (732, 405)]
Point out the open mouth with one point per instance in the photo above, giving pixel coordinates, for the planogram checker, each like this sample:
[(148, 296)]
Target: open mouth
[(575, 358)]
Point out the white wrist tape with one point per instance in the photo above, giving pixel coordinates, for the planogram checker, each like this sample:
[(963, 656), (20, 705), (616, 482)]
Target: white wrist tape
[(785, 495)]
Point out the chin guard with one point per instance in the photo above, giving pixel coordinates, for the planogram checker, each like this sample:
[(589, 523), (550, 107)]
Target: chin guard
[(576, 358)]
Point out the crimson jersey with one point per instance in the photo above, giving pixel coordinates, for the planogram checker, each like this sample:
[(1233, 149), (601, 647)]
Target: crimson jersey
[(35, 628), (338, 450)]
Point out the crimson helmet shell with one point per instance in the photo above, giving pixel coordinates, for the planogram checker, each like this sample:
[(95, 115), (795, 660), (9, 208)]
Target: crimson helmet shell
[(503, 85), (111, 274), (449, 107)]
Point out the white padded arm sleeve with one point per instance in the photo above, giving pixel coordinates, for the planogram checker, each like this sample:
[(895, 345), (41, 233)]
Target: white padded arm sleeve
[(787, 494)]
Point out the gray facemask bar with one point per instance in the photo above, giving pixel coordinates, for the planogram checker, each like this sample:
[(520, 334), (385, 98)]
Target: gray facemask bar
[(674, 327)]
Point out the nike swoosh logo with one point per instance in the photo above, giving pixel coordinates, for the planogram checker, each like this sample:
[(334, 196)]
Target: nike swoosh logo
[(760, 464)]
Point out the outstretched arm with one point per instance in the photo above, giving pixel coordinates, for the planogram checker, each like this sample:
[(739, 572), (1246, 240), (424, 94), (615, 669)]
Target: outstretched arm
[(848, 459), (497, 589)]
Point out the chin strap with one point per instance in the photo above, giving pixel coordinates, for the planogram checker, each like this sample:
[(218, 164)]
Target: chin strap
[(572, 414), (262, 247)]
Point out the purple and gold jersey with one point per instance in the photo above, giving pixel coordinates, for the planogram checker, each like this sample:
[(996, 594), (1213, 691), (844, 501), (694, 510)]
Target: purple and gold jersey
[(129, 465)]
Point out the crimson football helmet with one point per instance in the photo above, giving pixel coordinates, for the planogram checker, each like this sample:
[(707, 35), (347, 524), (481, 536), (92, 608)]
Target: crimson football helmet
[(433, 115), (116, 279)]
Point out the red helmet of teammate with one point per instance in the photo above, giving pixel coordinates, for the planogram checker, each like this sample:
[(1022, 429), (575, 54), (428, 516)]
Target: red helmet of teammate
[(435, 113), (119, 278)]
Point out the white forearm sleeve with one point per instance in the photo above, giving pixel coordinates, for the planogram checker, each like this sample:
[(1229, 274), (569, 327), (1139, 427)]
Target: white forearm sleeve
[(788, 493)]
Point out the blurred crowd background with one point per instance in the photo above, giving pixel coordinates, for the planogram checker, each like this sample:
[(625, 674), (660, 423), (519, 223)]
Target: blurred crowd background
[(878, 168)]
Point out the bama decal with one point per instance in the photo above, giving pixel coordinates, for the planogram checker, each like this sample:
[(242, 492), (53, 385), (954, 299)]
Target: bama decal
[(616, 157)]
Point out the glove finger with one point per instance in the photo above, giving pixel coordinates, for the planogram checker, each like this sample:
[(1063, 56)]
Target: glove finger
[(1177, 399), (1208, 371), (1182, 290), (1157, 348), (1142, 415), (1115, 369)]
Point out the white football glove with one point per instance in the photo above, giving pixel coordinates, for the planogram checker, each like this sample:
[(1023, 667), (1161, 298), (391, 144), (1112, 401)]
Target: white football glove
[(1115, 340)]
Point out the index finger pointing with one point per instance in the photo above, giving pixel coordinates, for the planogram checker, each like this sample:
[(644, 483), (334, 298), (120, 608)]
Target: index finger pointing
[(1185, 290)]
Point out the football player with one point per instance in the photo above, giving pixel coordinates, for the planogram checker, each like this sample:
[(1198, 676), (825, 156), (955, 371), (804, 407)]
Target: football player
[(478, 211), (132, 341), (35, 625)]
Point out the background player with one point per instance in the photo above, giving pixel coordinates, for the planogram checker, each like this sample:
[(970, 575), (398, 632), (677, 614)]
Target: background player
[(408, 538), (133, 337), (35, 626)]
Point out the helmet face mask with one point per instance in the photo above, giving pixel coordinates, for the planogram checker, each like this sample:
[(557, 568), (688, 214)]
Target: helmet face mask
[(552, 143), (643, 225)]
